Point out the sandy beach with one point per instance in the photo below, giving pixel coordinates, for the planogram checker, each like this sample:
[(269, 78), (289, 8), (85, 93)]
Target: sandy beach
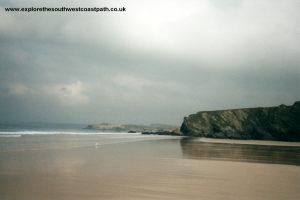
[(143, 167)]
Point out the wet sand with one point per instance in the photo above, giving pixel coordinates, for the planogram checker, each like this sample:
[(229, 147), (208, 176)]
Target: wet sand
[(138, 167), (241, 150), (251, 142)]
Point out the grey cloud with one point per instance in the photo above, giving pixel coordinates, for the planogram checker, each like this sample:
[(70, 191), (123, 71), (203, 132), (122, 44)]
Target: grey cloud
[(148, 64)]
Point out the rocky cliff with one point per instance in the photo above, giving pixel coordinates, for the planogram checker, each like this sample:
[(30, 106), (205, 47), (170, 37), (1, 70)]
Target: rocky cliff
[(270, 123)]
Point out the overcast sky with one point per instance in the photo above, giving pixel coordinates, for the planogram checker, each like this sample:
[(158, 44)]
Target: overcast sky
[(159, 61)]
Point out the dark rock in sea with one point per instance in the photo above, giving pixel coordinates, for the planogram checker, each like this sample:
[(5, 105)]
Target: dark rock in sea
[(131, 131), (174, 133), (269, 123)]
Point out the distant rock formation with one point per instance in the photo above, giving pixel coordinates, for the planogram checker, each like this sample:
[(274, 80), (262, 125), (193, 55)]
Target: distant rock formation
[(130, 128), (170, 132), (270, 123)]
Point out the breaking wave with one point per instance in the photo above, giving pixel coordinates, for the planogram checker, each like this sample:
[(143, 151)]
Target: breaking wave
[(19, 133)]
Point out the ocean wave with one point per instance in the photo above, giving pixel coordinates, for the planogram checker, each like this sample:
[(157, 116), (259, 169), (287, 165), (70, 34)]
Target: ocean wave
[(10, 135), (15, 133)]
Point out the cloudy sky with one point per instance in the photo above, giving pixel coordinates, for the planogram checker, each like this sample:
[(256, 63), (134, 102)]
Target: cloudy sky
[(157, 62)]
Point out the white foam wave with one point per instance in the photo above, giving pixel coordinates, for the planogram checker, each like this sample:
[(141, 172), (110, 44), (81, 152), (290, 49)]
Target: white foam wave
[(11, 134)]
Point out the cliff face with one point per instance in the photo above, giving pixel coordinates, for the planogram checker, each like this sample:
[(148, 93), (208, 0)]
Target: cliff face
[(271, 123)]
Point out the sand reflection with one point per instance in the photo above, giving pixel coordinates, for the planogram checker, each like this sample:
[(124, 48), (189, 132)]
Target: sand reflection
[(195, 149)]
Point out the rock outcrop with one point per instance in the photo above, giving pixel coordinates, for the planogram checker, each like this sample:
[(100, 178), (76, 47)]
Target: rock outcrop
[(130, 128), (269, 123), (174, 132)]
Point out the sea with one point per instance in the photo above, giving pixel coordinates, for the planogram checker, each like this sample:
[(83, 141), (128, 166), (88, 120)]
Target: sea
[(53, 136), (10, 129)]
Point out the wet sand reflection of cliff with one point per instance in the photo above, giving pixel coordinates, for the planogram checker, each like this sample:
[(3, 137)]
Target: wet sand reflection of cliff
[(240, 152)]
